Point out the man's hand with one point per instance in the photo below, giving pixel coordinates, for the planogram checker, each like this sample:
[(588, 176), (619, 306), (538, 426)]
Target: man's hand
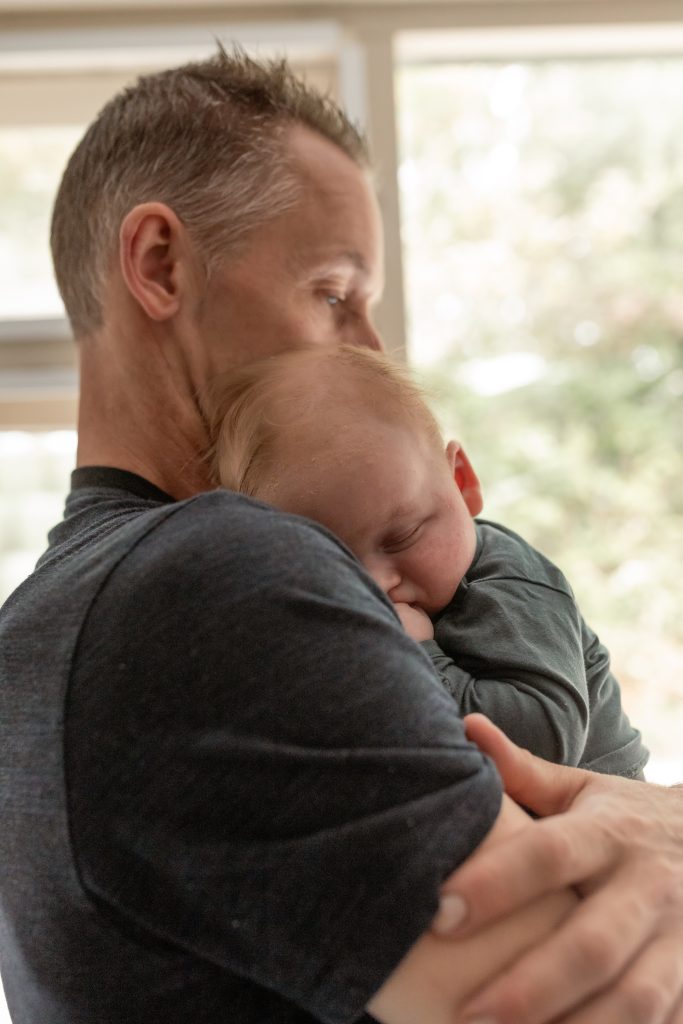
[(438, 975), (619, 956), (416, 622)]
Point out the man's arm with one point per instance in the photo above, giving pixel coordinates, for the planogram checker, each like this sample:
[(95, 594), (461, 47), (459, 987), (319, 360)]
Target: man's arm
[(439, 974), (619, 957), (279, 787)]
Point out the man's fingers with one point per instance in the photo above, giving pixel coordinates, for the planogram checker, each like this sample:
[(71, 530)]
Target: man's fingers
[(649, 992), (618, 957), (608, 944), (540, 786), (523, 867)]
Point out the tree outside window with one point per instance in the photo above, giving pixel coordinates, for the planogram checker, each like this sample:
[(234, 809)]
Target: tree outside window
[(543, 229)]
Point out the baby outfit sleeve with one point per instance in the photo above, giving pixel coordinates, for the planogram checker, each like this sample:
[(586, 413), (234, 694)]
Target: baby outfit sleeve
[(613, 745), (501, 673), (513, 645)]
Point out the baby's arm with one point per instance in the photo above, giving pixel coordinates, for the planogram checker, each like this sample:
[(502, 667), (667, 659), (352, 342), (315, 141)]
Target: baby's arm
[(519, 651), (613, 746), (544, 713), (530, 706), (526, 659)]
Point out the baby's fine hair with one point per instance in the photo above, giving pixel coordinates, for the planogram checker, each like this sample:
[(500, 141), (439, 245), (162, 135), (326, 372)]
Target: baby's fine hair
[(315, 391)]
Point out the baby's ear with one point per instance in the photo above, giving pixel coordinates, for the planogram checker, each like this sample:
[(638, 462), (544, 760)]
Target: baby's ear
[(465, 478)]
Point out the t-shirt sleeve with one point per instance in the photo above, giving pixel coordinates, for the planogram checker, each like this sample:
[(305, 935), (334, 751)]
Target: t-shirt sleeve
[(262, 767)]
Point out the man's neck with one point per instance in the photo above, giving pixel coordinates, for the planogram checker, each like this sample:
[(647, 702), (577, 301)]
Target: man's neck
[(180, 481), (157, 433)]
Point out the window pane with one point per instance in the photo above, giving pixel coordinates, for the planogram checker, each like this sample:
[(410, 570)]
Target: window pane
[(34, 469), (543, 227), (31, 163), (33, 154)]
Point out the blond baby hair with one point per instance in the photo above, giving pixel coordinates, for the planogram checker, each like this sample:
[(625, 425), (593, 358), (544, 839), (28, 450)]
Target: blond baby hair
[(312, 391)]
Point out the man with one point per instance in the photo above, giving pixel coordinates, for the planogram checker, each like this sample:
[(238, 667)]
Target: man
[(195, 826)]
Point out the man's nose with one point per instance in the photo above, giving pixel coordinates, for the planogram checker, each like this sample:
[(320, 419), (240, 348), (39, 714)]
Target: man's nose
[(367, 336)]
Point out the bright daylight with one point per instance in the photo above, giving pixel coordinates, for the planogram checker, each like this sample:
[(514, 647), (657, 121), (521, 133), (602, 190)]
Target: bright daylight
[(235, 780)]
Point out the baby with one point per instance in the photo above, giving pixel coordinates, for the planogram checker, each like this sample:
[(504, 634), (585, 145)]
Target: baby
[(344, 437)]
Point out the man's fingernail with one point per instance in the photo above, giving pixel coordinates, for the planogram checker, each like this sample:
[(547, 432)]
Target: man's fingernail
[(451, 913)]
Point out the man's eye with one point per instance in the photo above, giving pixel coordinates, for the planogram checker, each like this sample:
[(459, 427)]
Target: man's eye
[(334, 300)]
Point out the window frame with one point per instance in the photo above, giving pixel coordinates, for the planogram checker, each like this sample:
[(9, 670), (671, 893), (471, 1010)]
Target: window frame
[(365, 39)]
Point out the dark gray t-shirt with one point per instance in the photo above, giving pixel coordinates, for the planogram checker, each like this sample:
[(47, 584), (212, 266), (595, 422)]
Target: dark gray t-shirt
[(231, 784), (513, 644)]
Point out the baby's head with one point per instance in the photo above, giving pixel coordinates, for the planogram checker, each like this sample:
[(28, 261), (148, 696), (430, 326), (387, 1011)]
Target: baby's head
[(344, 437)]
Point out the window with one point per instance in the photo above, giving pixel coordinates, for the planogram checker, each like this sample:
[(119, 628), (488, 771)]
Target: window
[(35, 471), (542, 225), (543, 230)]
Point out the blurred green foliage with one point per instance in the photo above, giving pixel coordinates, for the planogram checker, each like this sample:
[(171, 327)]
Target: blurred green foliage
[(543, 238)]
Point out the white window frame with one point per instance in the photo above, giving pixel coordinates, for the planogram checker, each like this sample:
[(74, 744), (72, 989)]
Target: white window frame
[(365, 38)]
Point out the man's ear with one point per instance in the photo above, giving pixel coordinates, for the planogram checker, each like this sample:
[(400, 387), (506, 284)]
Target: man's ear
[(466, 479), (152, 246)]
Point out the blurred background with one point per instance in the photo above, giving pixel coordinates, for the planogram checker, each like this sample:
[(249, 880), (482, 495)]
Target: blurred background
[(530, 172)]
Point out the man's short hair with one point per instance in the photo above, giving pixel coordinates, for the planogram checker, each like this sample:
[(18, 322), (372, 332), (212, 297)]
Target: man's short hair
[(313, 394), (209, 140)]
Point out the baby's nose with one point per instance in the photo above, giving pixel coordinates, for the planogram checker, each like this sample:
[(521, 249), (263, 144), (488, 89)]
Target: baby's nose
[(399, 590), (387, 577)]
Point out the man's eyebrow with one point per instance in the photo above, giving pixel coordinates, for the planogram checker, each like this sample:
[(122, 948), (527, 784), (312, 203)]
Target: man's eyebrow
[(350, 257), (356, 260)]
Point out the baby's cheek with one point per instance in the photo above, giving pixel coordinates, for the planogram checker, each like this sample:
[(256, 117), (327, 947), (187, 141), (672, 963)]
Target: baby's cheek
[(445, 573)]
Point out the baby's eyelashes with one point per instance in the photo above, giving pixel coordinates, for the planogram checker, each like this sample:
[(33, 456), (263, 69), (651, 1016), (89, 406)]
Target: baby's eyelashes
[(397, 542)]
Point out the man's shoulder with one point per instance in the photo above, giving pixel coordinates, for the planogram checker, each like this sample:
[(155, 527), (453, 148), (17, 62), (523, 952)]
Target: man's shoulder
[(113, 543), (224, 513), (213, 528), (220, 554), (223, 530)]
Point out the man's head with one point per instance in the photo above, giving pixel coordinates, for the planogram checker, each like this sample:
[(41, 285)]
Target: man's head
[(212, 215), (344, 437), (210, 141)]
